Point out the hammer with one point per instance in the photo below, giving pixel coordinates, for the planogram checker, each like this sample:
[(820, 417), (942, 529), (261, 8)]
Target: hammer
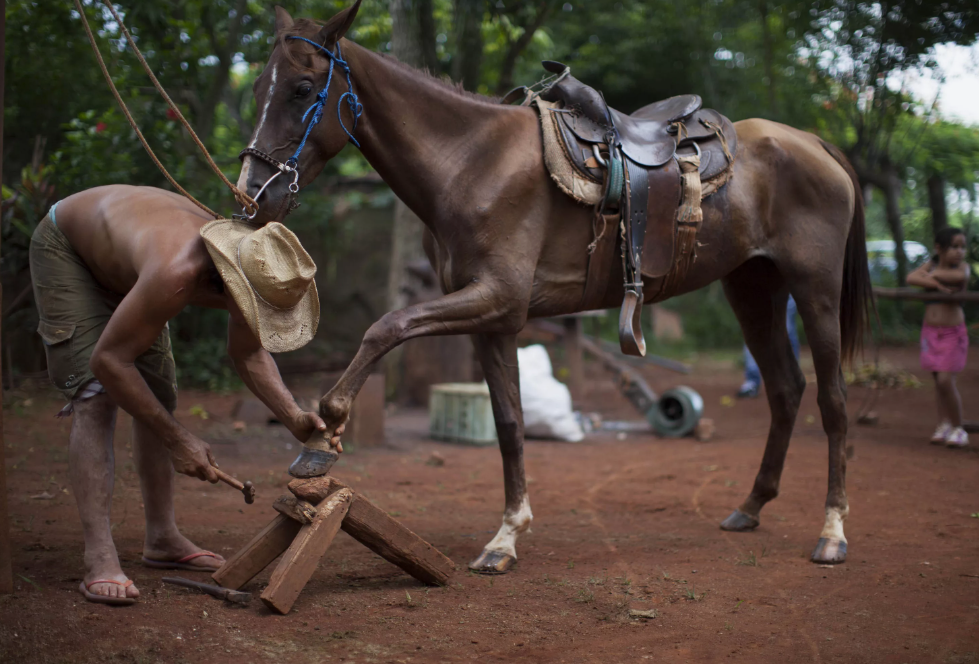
[(247, 488), (233, 596)]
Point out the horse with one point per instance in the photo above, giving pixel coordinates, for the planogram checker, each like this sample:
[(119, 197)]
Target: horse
[(508, 245)]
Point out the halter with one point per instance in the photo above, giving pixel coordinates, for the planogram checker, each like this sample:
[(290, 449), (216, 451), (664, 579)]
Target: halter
[(291, 165)]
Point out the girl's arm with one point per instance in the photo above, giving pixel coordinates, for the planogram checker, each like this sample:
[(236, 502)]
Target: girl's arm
[(924, 277), (956, 277)]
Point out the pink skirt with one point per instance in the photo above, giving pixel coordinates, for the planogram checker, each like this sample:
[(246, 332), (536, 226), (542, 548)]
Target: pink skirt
[(944, 348)]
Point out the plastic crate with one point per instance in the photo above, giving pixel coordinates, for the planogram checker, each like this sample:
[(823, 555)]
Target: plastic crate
[(461, 413)]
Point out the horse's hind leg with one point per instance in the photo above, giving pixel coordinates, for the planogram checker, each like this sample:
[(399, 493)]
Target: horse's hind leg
[(497, 354), (759, 299), (819, 308)]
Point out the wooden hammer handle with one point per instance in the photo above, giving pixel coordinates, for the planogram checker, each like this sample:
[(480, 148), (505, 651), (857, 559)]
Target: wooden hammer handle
[(228, 479)]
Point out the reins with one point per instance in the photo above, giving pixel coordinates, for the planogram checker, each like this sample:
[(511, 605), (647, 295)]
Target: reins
[(246, 201)]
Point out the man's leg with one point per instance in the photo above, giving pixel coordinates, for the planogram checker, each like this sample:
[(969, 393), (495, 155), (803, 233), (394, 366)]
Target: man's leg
[(92, 469), (791, 311), (163, 539), (752, 376)]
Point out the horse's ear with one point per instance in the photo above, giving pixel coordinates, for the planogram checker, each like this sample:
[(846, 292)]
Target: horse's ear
[(337, 26), (283, 21)]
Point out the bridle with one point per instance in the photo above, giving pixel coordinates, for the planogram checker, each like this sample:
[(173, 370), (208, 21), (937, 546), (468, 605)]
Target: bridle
[(291, 165)]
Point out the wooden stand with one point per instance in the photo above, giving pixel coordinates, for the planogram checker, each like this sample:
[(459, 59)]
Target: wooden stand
[(308, 521)]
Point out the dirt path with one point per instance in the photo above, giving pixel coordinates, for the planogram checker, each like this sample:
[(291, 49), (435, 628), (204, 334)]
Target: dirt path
[(619, 525)]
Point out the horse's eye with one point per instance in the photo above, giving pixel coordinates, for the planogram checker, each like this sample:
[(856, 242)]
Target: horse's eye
[(304, 90)]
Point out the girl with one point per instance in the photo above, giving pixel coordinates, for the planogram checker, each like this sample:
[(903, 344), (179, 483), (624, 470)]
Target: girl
[(944, 339)]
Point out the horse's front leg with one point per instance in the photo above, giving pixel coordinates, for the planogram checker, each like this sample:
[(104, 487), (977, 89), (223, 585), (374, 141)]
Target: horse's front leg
[(483, 305), (497, 354)]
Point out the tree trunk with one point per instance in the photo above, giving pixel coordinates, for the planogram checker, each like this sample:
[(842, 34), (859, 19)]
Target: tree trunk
[(769, 57), (413, 34), (936, 201), (6, 568), (467, 61), (892, 207), (413, 43), (515, 48)]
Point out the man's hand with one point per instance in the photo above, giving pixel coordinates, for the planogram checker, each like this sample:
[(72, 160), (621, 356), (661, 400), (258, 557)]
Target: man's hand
[(193, 457), (305, 424)]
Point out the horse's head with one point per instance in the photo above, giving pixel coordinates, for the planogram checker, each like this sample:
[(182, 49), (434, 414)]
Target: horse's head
[(304, 111)]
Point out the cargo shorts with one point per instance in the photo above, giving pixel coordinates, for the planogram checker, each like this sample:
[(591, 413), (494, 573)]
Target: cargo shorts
[(74, 309)]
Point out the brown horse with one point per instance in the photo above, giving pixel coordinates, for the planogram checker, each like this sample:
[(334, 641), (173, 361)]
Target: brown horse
[(508, 245)]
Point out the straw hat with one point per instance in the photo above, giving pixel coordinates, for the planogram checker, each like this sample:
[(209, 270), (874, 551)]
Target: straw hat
[(270, 277)]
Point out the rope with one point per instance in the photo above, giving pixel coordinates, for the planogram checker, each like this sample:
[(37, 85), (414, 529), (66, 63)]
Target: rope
[(243, 199), (353, 102)]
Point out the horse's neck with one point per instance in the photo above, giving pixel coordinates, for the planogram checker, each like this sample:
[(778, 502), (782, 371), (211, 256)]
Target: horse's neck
[(414, 131)]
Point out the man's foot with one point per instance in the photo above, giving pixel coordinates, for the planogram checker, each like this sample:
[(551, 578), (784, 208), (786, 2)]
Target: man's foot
[(940, 437), (957, 438), (108, 585), (749, 390), (180, 553)]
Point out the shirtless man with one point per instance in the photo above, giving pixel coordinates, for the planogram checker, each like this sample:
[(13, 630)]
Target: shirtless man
[(111, 266)]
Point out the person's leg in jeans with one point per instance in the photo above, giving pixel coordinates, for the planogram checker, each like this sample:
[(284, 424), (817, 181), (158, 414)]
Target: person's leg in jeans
[(752, 377)]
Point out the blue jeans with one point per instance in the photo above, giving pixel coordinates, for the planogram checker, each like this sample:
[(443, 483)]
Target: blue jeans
[(751, 373)]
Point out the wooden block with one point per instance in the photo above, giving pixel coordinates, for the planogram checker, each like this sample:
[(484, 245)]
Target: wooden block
[(300, 561), (255, 556), (316, 489), (297, 510), (381, 533)]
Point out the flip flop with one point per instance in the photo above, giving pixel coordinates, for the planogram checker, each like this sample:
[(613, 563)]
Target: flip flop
[(182, 563), (84, 589)]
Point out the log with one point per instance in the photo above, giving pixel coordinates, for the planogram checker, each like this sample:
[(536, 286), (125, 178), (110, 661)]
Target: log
[(915, 294), (265, 547), (297, 510), (303, 555), (382, 534)]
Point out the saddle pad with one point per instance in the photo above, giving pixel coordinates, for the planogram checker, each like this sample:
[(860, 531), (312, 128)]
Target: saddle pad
[(559, 164)]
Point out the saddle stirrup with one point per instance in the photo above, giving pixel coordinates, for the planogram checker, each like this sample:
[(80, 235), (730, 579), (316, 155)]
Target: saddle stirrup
[(631, 340)]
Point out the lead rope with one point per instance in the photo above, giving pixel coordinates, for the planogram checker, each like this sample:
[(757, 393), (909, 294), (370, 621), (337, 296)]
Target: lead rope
[(243, 199)]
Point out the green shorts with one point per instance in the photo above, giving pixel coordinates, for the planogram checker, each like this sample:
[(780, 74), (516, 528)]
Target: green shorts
[(74, 309)]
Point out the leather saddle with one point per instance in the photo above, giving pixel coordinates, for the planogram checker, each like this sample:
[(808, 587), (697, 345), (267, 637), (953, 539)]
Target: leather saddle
[(635, 157)]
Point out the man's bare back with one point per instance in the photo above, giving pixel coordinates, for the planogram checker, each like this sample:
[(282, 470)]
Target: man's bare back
[(121, 231)]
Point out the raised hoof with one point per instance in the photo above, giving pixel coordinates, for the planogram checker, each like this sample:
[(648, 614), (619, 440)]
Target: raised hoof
[(740, 522), (829, 551), (313, 463), (493, 562)]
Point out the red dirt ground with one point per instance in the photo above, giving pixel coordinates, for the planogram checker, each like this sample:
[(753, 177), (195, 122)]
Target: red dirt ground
[(620, 525)]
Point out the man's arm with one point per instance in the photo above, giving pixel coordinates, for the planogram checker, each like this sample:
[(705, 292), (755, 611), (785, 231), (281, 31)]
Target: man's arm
[(261, 375), (134, 326)]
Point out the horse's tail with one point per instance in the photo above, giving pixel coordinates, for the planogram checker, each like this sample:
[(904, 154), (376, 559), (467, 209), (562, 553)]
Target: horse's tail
[(857, 305)]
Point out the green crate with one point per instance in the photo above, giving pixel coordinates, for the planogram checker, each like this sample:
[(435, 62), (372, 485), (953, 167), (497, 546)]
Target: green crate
[(461, 413)]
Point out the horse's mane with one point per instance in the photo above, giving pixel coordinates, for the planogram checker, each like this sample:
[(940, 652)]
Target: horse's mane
[(308, 28)]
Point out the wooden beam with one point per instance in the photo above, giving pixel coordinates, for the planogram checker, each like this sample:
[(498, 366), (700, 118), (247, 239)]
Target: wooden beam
[(255, 556), (6, 564), (381, 533), (297, 510), (300, 561), (919, 295)]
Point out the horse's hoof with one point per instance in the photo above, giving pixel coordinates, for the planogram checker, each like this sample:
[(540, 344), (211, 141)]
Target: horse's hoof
[(740, 522), (493, 562), (829, 551), (313, 463)]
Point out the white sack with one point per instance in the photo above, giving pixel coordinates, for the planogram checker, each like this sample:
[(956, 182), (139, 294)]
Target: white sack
[(546, 401)]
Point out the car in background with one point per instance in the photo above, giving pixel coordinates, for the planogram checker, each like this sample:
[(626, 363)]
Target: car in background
[(883, 265)]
